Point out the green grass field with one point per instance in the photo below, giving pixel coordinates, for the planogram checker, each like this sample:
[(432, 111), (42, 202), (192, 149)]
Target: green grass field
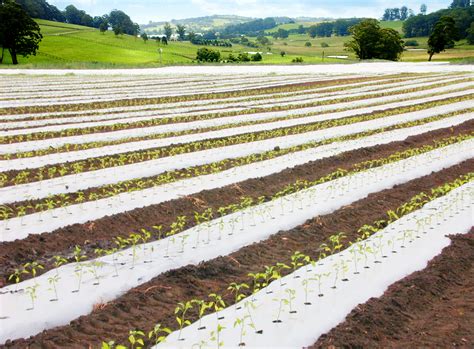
[(72, 46)]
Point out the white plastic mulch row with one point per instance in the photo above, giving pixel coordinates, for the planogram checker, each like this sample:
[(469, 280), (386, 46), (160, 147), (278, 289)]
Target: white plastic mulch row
[(128, 110), (155, 94), (418, 97), (312, 315), (80, 89), (79, 289), (95, 120), (89, 179), (21, 227), (323, 69)]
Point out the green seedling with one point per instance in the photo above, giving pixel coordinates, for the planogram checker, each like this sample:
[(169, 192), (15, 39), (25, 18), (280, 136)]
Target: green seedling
[(180, 312), (53, 280), (135, 337), (158, 334)]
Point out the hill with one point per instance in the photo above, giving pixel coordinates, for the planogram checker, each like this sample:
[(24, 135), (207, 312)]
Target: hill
[(198, 24), (74, 46)]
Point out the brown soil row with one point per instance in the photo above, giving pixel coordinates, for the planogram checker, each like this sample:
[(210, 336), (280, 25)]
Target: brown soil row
[(100, 233), (155, 301), (431, 308), (199, 96)]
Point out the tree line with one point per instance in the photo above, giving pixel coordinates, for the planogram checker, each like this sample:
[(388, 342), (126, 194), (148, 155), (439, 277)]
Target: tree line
[(118, 20)]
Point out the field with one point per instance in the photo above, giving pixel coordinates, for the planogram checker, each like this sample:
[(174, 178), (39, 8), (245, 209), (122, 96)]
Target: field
[(72, 46), (189, 210)]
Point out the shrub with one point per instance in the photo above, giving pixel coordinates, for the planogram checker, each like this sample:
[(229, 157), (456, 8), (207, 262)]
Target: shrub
[(308, 44), (207, 55), (324, 44), (411, 43), (297, 60), (257, 57), (243, 57)]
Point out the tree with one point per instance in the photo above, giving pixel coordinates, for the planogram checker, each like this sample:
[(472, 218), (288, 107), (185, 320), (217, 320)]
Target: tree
[(120, 19), (103, 27), (117, 30), (460, 3), (444, 34), (324, 29), (181, 31), (470, 34), (263, 40), (207, 55), (19, 33), (144, 36), (423, 9), (191, 36), (370, 41), (281, 33), (164, 40), (403, 13), (168, 31)]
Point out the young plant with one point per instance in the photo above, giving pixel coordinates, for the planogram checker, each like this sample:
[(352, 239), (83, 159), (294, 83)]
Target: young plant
[(235, 289), (241, 323), (53, 280), (202, 308), (135, 338), (31, 291), (217, 303), (215, 335), (158, 334), (180, 313)]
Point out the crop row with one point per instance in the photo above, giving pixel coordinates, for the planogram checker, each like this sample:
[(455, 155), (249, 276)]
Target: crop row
[(180, 119), (53, 171), (182, 98), (137, 252), (121, 113)]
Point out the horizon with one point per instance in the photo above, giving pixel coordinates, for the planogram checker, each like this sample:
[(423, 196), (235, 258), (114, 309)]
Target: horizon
[(139, 10)]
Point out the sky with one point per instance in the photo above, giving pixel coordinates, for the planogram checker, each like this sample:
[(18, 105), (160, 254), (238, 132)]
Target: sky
[(143, 11)]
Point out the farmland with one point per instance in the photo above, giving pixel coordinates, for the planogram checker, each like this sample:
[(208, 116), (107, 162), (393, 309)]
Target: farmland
[(224, 207)]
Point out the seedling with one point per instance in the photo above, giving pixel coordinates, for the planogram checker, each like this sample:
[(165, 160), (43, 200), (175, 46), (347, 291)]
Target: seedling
[(202, 306), (241, 322), (279, 267), (93, 270), (16, 277), (112, 345), (296, 261), (217, 303), (53, 280), (235, 289), (133, 240), (323, 250), (159, 334), (319, 277), (180, 311), (33, 269), (136, 339), (31, 291), (215, 335), (58, 261)]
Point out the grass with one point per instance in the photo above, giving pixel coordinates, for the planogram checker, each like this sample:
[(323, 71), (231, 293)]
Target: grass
[(73, 46)]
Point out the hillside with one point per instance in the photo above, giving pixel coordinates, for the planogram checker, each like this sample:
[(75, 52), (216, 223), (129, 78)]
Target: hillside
[(198, 24), (73, 46)]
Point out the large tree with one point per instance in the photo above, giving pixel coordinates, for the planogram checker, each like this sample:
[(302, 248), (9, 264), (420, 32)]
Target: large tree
[(19, 33), (460, 3), (444, 34), (181, 31), (370, 41), (168, 31)]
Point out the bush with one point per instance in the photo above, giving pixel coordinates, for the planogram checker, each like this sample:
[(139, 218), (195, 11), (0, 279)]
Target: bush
[(411, 43), (308, 44), (207, 55), (257, 57), (324, 44), (283, 53), (243, 57), (297, 60)]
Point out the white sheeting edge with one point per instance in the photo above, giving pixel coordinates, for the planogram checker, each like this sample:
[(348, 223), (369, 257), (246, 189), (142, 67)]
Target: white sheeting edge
[(20, 228), (46, 314), (303, 327)]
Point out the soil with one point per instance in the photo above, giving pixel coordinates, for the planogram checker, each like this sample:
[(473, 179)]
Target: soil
[(431, 308), (155, 301), (100, 233)]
